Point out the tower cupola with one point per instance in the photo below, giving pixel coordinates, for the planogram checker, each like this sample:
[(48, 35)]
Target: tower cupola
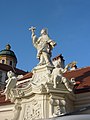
[(8, 57)]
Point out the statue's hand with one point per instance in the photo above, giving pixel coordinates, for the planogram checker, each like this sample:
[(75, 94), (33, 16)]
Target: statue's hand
[(32, 29), (72, 64)]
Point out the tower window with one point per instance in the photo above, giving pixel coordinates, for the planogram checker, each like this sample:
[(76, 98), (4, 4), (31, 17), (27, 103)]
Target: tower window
[(0, 76), (10, 62), (3, 61)]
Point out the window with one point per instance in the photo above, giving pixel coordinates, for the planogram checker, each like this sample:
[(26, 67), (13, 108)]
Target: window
[(3, 61), (11, 63), (0, 76)]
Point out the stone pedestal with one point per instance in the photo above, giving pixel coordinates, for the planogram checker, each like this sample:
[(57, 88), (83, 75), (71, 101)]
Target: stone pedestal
[(40, 99), (41, 74), (49, 103)]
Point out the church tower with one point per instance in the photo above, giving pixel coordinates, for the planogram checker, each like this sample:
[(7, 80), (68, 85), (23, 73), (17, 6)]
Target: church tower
[(8, 57)]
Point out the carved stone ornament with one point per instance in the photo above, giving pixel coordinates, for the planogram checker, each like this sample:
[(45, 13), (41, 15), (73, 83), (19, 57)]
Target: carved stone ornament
[(17, 110), (33, 110), (58, 106), (59, 79), (10, 86), (47, 79)]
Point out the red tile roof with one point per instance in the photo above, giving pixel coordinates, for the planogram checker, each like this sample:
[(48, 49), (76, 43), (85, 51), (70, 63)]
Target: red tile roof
[(2, 100), (7, 68), (82, 77), (26, 76)]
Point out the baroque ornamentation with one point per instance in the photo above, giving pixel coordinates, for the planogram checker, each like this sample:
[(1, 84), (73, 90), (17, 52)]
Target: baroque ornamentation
[(17, 110), (46, 80), (58, 106), (58, 77), (10, 86), (33, 110)]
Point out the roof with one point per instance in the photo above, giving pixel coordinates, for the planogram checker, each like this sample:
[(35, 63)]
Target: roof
[(8, 52), (7, 68), (2, 100), (82, 77), (26, 76)]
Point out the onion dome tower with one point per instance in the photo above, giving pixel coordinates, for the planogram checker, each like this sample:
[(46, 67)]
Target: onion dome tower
[(8, 57)]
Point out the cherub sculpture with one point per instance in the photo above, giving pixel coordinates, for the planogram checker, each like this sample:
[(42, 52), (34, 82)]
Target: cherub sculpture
[(10, 84), (57, 76)]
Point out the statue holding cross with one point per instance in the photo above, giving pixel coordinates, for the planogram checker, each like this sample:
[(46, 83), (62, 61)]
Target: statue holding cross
[(44, 46)]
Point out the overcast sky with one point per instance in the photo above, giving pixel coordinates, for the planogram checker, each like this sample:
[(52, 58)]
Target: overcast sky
[(68, 23)]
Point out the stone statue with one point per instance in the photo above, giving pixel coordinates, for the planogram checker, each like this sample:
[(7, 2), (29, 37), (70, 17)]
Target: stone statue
[(44, 46), (57, 76), (11, 84)]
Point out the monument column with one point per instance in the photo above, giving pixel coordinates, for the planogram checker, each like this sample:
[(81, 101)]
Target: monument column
[(48, 92)]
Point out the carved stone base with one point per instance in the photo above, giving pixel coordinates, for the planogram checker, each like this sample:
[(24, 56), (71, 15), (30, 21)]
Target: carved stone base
[(41, 74), (45, 105), (40, 99)]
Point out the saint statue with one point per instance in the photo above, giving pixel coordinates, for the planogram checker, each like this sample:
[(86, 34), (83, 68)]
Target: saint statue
[(44, 46)]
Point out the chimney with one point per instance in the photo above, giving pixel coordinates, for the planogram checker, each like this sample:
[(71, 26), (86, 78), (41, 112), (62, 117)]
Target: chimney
[(59, 59)]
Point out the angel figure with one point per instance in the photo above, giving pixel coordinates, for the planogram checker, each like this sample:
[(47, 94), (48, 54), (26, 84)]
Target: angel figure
[(10, 84)]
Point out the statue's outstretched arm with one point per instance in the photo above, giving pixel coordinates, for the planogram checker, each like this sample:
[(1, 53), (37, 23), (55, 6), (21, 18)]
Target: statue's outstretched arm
[(33, 36), (66, 68), (32, 29), (70, 65)]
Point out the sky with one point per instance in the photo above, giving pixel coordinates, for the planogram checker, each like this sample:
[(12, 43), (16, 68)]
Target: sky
[(67, 21)]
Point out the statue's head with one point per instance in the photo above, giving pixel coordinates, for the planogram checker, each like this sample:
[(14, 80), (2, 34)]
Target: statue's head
[(10, 74), (44, 31), (57, 64)]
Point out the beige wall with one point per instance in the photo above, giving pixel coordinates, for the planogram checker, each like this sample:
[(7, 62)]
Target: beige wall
[(7, 60), (82, 100), (6, 112)]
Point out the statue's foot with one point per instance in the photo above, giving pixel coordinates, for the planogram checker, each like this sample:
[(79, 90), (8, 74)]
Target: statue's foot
[(48, 63)]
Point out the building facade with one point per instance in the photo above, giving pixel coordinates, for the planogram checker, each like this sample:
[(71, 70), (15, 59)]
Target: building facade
[(48, 101), (8, 62)]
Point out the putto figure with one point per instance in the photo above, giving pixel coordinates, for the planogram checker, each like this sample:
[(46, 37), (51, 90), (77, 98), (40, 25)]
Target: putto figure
[(11, 84), (44, 46), (58, 77)]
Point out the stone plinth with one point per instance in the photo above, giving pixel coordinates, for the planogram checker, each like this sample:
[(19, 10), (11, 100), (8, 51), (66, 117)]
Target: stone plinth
[(41, 74), (46, 103), (40, 99)]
